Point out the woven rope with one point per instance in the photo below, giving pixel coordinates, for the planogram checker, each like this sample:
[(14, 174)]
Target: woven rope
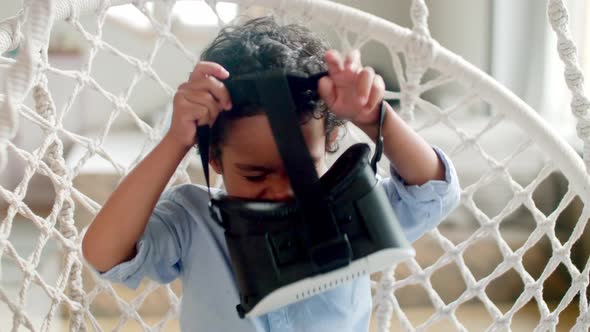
[(412, 53), (20, 78), (558, 17), (420, 51)]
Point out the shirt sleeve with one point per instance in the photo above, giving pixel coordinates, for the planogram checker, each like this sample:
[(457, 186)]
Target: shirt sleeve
[(421, 208), (159, 250)]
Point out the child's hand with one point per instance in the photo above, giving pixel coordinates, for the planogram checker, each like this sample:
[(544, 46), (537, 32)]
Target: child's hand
[(199, 101), (351, 91)]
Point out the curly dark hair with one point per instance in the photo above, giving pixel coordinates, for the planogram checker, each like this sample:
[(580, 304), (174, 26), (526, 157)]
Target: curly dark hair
[(262, 44)]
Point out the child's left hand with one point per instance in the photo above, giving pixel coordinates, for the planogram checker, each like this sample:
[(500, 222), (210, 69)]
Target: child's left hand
[(351, 91)]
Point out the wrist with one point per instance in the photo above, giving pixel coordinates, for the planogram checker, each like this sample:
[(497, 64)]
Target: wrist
[(370, 128), (174, 143)]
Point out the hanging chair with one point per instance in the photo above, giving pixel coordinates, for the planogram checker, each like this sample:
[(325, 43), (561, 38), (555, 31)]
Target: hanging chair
[(514, 246)]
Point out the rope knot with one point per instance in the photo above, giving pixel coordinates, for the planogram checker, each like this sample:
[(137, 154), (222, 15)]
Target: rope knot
[(512, 259), (43, 102), (521, 195), (550, 319), (580, 105), (561, 253), (82, 78), (503, 323), (573, 77), (409, 94), (532, 288), (74, 12), (567, 48), (581, 281), (93, 146), (143, 67), (557, 14), (420, 52), (120, 103), (419, 15), (477, 288), (96, 42), (583, 129), (583, 320)]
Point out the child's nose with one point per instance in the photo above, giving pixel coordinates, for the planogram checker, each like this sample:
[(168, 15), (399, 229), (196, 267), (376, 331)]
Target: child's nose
[(279, 190)]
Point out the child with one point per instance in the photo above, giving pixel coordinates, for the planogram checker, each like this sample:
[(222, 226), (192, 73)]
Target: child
[(141, 232)]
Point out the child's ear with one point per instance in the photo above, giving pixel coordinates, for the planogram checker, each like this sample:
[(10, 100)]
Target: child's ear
[(216, 165)]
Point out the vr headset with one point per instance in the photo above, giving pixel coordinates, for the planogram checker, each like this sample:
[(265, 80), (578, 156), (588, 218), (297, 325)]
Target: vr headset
[(339, 227)]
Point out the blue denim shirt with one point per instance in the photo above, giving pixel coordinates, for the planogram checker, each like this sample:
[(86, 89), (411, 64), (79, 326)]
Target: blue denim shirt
[(182, 241)]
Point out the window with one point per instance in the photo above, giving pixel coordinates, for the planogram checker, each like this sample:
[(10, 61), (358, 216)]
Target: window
[(189, 13), (199, 13)]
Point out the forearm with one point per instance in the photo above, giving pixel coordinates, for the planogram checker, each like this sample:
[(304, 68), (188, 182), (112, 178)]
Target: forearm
[(414, 159), (112, 236)]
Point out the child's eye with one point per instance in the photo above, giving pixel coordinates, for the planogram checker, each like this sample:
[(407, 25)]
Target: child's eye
[(256, 178)]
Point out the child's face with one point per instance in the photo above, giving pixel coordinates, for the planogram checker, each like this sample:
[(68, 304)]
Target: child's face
[(250, 161)]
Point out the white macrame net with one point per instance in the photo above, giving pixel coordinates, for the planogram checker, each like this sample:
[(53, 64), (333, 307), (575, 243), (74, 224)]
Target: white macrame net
[(484, 126)]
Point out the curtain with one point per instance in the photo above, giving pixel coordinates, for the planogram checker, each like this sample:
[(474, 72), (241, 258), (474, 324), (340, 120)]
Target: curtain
[(524, 56)]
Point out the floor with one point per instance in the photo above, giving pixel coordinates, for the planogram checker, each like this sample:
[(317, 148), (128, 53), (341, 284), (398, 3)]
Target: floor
[(473, 318)]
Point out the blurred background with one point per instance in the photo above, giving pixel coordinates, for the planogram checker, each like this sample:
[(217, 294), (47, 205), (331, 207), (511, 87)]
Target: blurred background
[(510, 40)]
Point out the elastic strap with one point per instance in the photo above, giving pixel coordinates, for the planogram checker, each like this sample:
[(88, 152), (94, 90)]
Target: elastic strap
[(276, 97), (379, 140), (203, 138), (203, 141)]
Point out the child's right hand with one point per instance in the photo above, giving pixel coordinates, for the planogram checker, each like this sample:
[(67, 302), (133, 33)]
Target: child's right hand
[(199, 101)]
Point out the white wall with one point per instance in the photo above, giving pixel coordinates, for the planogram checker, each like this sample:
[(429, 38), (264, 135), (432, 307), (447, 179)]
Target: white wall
[(9, 8), (463, 26)]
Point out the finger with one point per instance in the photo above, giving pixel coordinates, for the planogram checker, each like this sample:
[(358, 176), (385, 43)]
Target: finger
[(190, 111), (204, 98), (327, 91), (212, 86), (213, 113), (207, 68), (353, 60), (201, 114), (334, 61), (377, 92), (220, 92), (365, 83)]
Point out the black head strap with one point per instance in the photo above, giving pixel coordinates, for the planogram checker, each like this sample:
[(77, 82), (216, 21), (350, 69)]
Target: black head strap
[(248, 93), (275, 92), (379, 139), (203, 142)]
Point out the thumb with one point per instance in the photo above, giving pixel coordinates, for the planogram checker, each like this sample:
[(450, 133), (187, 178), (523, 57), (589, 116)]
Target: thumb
[(327, 90)]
